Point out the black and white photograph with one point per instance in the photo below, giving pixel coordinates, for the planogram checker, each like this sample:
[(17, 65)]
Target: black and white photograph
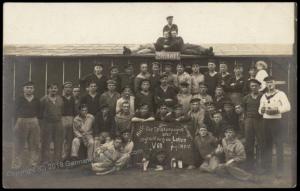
[(149, 95)]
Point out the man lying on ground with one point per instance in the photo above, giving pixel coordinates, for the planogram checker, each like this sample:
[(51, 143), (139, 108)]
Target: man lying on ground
[(110, 158)]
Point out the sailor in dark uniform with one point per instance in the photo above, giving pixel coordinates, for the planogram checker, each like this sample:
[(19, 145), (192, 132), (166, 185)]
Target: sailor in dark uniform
[(170, 26)]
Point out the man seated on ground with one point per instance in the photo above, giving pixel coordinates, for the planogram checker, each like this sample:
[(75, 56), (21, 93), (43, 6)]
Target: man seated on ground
[(159, 160), (83, 132), (110, 158), (235, 155), (127, 142), (206, 145), (123, 119)]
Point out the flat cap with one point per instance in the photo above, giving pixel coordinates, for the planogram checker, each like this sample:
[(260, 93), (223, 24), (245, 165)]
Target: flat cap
[(111, 82), (67, 83), (29, 83), (229, 128)]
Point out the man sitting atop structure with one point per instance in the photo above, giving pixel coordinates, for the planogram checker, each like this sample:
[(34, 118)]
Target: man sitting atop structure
[(163, 43), (170, 26)]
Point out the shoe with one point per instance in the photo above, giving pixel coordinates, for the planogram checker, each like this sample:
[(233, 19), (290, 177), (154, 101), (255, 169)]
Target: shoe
[(159, 168), (190, 167)]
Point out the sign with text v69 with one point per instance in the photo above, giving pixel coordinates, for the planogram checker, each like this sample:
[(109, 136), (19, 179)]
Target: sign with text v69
[(169, 137)]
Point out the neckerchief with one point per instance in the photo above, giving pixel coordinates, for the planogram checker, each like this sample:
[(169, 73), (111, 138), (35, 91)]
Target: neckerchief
[(269, 97)]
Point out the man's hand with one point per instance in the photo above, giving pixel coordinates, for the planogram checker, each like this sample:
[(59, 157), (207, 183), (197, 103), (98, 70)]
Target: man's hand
[(229, 162), (208, 156), (219, 149), (272, 111)]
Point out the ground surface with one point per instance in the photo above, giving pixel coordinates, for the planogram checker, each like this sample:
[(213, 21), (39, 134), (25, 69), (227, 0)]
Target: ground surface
[(82, 177)]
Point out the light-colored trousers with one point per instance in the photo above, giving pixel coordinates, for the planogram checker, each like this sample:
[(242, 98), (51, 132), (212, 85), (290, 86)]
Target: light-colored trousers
[(105, 164), (210, 165), (27, 130), (87, 141), (234, 170)]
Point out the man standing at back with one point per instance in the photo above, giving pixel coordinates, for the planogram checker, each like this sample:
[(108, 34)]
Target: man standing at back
[(211, 77), (52, 108), (273, 104), (27, 127), (97, 77)]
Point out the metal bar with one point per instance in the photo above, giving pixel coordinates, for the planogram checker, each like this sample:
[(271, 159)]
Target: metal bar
[(271, 68), (30, 71), (46, 77), (112, 62), (14, 82), (79, 68), (63, 75)]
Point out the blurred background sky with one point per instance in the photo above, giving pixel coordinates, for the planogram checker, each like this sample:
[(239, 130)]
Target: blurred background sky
[(135, 23)]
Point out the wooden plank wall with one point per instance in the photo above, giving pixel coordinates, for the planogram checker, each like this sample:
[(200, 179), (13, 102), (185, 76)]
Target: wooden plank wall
[(44, 70)]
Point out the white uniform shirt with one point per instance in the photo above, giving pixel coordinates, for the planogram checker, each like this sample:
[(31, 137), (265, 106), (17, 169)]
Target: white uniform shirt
[(260, 76), (279, 101)]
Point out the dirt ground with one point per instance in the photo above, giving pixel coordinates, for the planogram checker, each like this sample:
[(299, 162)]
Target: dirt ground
[(82, 177)]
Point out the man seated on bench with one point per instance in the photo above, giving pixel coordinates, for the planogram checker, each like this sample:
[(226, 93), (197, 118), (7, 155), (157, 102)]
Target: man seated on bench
[(110, 157), (83, 132), (176, 44), (163, 43)]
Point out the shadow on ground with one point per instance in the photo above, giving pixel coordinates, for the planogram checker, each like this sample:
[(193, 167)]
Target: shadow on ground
[(82, 177)]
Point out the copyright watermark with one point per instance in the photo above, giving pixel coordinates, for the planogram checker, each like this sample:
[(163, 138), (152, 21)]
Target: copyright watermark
[(42, 169)]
